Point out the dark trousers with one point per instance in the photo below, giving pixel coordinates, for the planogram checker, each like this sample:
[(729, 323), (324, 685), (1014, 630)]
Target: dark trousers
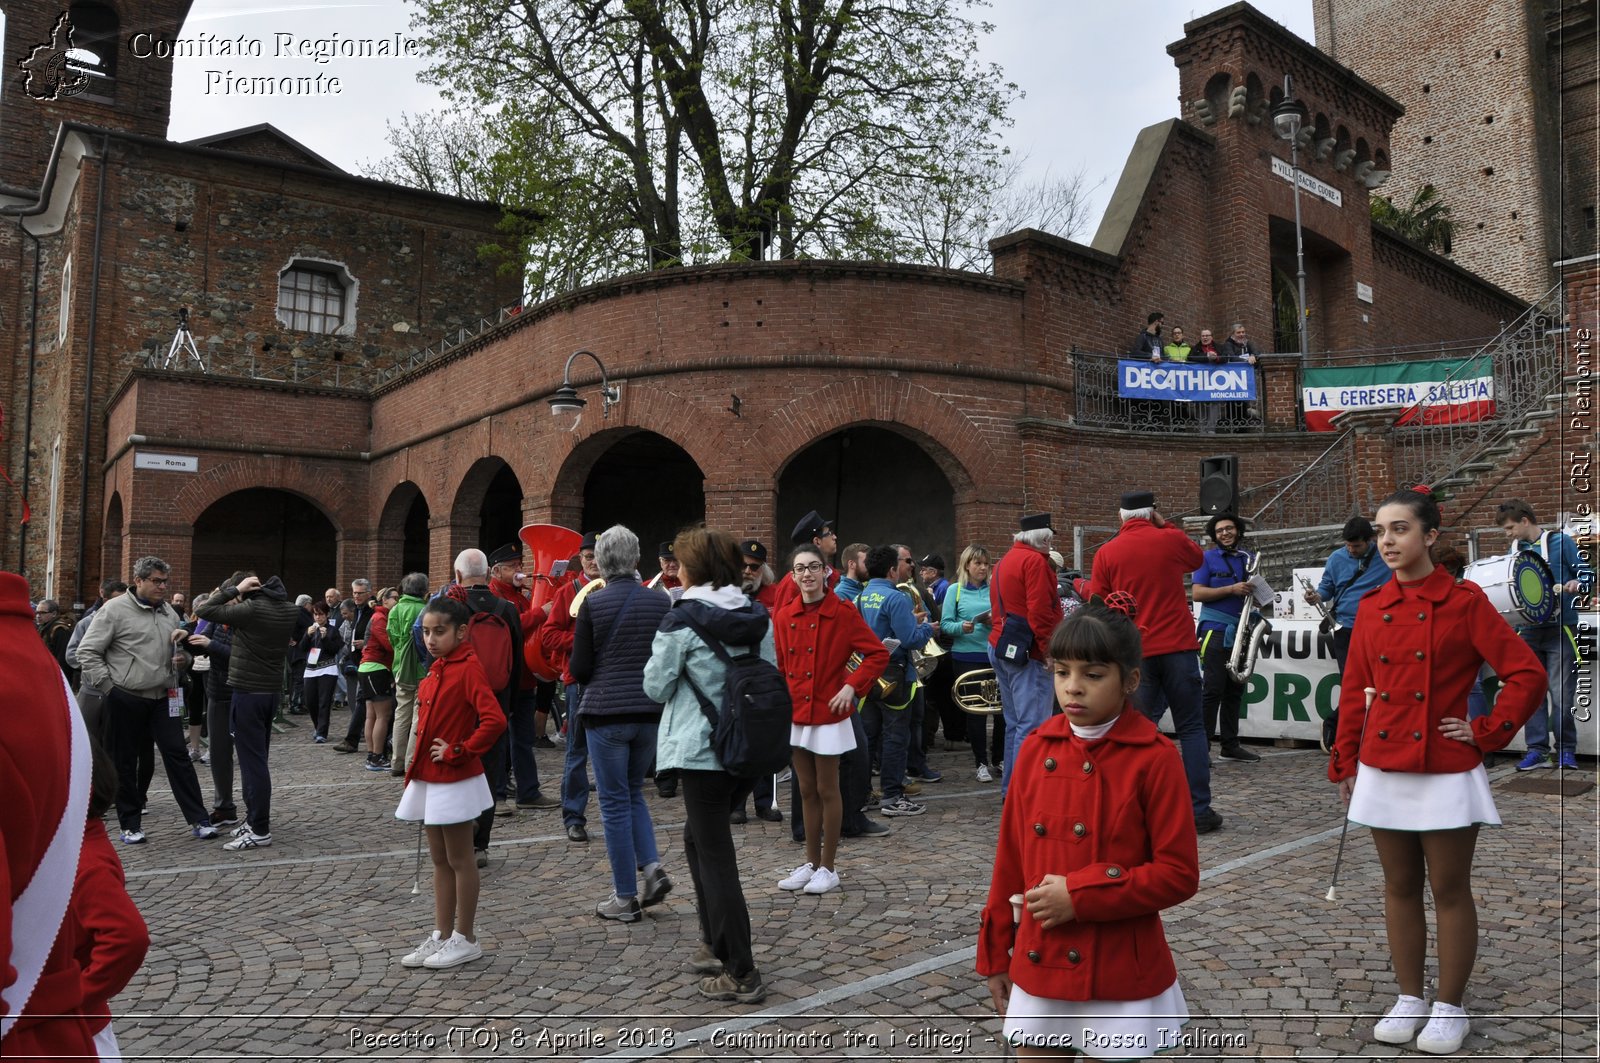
[(252, 734), (221, 729), (358, 712), (297, 685), (1223, 694), (714, 867), (760, 787), (977, 727), (524, 711), (943, 713), (1172, 680), (494, 770), (855, 783), (133, 722), (319, 700)]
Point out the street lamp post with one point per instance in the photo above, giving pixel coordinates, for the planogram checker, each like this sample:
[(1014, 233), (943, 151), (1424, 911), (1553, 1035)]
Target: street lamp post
[(567, 401), (1287, 118)]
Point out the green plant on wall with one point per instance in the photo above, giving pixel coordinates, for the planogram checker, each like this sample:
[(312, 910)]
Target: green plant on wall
[(1425, 220)]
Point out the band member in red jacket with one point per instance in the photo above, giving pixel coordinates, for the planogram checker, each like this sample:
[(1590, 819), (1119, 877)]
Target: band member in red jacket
[(815, 636), (1025, 610), (1149, 559), (1411, 765), (759, 582), (459, 719), (555, 636), (531, 701), (1095, 840)]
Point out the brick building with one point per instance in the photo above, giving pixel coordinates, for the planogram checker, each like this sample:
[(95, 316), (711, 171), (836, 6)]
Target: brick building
[(1501, 117), (903, 401)]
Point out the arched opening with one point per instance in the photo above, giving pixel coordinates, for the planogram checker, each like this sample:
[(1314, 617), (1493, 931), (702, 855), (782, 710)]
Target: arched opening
[(649, 483), (877, 486), (404, 523), (96, 35), (111, 562), (271, 532), (491, 495)]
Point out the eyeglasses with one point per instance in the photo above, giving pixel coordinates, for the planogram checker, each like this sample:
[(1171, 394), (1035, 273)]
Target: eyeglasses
[(802, 570), (158, 581)]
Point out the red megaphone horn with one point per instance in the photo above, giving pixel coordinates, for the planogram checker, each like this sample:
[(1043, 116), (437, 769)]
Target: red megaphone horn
[(550, 543)]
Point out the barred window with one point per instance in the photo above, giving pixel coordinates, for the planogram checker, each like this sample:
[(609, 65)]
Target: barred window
[(311, 300)]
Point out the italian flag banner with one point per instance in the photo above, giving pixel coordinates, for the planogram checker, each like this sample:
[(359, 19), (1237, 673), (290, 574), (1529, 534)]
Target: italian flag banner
[(1447, 391)]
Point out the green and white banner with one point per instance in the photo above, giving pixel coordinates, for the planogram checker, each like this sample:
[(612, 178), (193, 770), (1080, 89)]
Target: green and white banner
[(1444, 391)]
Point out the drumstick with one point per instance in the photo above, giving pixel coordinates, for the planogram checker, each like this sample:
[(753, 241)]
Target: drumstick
[(1333, 893)]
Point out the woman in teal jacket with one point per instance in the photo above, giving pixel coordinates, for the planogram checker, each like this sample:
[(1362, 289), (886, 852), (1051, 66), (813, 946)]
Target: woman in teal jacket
[(709, 564), (965, 618)]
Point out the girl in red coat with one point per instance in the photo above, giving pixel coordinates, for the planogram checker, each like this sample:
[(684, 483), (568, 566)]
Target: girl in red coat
[(815, 635), (458, 720), (1411, 766), (1096, 838)]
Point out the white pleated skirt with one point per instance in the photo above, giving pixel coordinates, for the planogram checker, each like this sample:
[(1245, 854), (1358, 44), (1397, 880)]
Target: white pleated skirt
[(1102, 1029), (824, 739), (439, 804), (1417, 801)]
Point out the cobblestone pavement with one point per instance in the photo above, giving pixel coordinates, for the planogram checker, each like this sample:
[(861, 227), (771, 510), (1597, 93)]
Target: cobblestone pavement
[(292, 951)]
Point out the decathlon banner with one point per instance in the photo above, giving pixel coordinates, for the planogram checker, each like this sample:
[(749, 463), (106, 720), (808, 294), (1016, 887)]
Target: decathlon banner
[(1180, 382), (1451, 390)]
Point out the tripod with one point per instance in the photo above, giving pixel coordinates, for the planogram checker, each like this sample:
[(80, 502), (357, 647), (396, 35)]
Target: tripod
[(183, 353)]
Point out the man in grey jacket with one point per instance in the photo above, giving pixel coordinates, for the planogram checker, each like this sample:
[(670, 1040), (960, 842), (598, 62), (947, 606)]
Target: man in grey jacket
[(265, 623), (129, 655)]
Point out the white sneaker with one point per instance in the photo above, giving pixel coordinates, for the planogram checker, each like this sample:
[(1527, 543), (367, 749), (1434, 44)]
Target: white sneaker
[(1397, 1027), (798, 878), (430, 944), (248, 840), (454, 953), (1446, 1029), (983, 773), (133, 837), (823, 881)]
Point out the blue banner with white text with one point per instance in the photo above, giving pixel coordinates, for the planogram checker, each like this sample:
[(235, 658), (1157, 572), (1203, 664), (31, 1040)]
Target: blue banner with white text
[(1231, 382)]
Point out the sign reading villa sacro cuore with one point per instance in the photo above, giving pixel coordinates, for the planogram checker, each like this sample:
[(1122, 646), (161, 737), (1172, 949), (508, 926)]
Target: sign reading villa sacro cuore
[(1445, 391), (1186, 381)]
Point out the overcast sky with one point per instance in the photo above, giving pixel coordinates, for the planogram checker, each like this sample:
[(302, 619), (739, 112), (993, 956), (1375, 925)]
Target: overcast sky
[(1094, 74)]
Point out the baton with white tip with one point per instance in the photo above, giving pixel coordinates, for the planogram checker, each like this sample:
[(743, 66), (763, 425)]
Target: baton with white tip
[(1333, 892)]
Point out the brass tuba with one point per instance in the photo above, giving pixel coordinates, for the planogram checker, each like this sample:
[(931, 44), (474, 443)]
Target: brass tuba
[(588, 588), (1253, 630), (977, 692), (885, 686), (926, 659)]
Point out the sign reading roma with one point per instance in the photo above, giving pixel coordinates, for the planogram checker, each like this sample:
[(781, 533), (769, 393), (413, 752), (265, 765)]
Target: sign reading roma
[(1445, 391)]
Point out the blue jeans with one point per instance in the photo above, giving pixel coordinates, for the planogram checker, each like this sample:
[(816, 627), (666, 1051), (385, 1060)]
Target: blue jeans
[(894, 740), (1027, 698), (1553, 647), (1173, 680), (574, 766), (523, 706), (622, 752)]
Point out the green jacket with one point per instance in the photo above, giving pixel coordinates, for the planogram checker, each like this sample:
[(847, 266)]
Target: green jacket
[(408, 667)]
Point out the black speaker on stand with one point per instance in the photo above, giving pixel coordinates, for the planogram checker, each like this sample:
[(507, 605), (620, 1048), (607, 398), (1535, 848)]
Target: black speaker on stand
[(1219, 484)]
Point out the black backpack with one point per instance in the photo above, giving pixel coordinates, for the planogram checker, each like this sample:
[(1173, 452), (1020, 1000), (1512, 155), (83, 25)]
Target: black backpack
[(750, 736)]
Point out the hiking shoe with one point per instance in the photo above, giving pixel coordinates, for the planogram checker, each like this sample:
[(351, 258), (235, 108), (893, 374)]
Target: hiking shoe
[(1568, 762), (481, 857), (219, 818), (797, 878), (622, 909), (249, 839), (926, 775), (656, 887), (375, 765), (453, 953), (1445, 1031), (911, 787), (726, 987), (1207, 823), (901, 807), (1398, 1027), (417, 956), (1240, 753), (705, 961), (1533, 759), (540, 801), (824, 880), (343, 746), (983, 773), (133, 837), (504, 807), (203, 832)]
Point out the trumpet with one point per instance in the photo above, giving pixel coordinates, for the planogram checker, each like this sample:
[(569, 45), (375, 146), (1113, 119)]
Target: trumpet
[(977, 692), (926, 659), (885, 686), (588, 588), (1253, 629)]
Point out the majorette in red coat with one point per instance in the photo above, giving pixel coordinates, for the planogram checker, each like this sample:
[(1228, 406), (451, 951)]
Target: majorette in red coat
[(1024, 583), (1149, 563), (112, 936), (814, 647), (455, 703), (1113, 817), (1421, 653)]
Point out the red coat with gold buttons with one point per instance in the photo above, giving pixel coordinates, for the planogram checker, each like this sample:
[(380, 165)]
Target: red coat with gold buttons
[(1114, 818), (814, 648), (1421, 651)]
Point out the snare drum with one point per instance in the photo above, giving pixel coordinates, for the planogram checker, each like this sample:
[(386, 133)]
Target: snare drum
[(1519, 586)]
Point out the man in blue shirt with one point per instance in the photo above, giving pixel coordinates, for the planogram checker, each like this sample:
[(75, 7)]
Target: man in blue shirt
[(1221, 586), (1552, 641), (1350, 572), (889, 613)]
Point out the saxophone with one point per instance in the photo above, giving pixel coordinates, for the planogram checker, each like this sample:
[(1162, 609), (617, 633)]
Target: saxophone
[(1253, 630)]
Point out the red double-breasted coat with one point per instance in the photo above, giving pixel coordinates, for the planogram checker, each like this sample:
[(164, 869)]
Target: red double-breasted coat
[(1114, 818), (1421, 647), (455, 703), (814, 648)]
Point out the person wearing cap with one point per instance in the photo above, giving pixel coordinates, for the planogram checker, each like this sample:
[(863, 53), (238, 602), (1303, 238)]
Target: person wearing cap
[(888, 612), (815, 530), (931, 569), (525, 719), (1221, 586), (1025, 610), (759, 581), (555, 637), (1148, 559), (667, 579)]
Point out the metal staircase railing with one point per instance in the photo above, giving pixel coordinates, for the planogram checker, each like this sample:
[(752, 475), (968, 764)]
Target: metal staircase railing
[(1324, 492)]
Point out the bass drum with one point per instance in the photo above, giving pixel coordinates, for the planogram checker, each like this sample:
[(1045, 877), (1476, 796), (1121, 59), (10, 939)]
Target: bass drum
[(1519, 585)]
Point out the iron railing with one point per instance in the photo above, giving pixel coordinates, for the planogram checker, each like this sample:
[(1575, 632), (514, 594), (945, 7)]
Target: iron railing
[(1526, 360), (1099, 406), (1325, 491), (448, 343), (320, 372)]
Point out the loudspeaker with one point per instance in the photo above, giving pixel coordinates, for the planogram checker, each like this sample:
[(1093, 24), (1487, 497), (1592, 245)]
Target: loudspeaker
[(1219, 484)]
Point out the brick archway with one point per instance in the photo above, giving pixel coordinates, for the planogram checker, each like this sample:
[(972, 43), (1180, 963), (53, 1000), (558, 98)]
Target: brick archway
[(313, 482), (650, 409)]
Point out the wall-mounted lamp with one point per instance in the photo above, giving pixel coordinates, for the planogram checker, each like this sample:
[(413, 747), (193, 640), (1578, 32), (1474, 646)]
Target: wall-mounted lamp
[(567, 402)]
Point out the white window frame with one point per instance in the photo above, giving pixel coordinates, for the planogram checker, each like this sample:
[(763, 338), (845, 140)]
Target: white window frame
[(64, 314), (341, 275), (52, 539)]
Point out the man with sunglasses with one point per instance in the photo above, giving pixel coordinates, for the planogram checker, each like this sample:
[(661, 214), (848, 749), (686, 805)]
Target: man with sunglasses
[(130, 657)]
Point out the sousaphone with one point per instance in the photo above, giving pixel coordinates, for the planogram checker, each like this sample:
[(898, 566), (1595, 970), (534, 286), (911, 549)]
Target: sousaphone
[(549, 544)]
